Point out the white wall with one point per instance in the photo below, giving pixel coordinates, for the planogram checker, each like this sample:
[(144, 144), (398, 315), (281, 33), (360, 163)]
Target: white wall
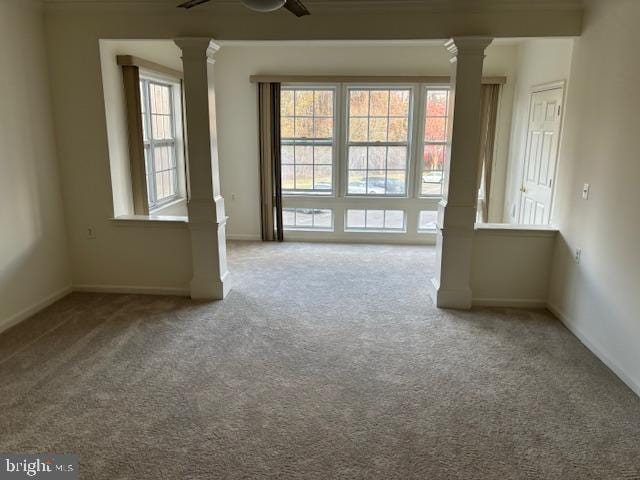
[(539, 61), (33, 252), (237, 102), (599, 297)]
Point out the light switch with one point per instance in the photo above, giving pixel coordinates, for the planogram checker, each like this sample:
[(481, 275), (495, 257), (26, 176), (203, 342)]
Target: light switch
[(585, 191)]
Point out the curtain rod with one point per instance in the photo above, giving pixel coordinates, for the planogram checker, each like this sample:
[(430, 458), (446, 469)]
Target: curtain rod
[(362, 79)]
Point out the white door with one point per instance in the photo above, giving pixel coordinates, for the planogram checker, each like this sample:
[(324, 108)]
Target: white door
[(541, 153)]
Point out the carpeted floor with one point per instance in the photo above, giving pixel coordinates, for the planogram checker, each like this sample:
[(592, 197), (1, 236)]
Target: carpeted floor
[(325, 361)]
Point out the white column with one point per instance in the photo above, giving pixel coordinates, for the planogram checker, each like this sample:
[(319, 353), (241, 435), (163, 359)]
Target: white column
[(207, 217), (457, 210)]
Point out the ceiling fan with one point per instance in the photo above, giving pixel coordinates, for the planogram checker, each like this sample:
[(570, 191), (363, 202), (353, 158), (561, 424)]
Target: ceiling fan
[(294, 6)]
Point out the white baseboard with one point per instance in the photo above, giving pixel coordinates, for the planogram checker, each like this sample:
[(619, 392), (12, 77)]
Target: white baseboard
[(596, 350), (510, 302), (133, 289), (244, 237), (35, 308)]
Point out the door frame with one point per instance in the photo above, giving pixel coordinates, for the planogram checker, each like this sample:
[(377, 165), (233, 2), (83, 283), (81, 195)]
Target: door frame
[(543, 87)]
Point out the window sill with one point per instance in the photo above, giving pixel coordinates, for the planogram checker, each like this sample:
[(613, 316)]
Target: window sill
[(162, 206), (372, 230), (149, 221)]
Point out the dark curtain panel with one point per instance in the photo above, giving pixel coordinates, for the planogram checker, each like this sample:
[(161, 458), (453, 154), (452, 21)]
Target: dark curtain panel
[(270, 179)]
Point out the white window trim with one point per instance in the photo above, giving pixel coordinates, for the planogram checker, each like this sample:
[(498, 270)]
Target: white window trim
[(177, 141), (421, 140), (336, 138), (345, 144), (411, 203)]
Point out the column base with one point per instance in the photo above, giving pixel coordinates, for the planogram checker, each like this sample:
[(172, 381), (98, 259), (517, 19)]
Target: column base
[(448, 298), (209, 288)]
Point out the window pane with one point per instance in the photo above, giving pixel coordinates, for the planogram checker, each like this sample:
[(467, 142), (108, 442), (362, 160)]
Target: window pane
[(304, 217), (434, 157), (358, 103), (323, 218), (398, 129), (322, 177), (286, 154), (379, 103), (358, 158), (304, 127), (436, 129), (396, 182), (286, 103), (357, 182), (378, 129), (323, 127), (394, 219), (375, 219), (304, 102), (427, 220), (397, 158), (287, 127), (303, 155), (356, 219), (289, 217), (304, 177), (288, 177), (382, 120), (376, 182), (308, 137), (437, 103), (429, 188), (377, 158), (358, 129), (399, 103), (323, 155), (324, 103)]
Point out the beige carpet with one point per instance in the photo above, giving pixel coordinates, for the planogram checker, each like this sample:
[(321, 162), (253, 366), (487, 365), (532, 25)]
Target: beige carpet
[(325, 361)]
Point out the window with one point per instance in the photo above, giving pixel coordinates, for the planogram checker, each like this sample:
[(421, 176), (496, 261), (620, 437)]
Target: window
[(435, 141), (307, 140), (427, 220), (308, 218), (381, 220), (378, 141), (159, 137)]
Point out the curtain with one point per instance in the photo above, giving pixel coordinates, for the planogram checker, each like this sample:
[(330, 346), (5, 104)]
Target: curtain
[(270, 180), (488, 116)]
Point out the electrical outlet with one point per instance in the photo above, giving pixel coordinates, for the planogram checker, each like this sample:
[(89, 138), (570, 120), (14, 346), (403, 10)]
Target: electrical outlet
[(585, 191), (91, 233), (578, 255)]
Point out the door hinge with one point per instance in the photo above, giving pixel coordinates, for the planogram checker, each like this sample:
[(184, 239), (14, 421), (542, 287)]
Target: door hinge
[(559, 109)]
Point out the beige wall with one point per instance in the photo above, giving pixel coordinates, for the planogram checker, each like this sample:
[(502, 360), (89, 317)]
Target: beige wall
[(33, 250), (599, 297), (511, 266), (539, 61)]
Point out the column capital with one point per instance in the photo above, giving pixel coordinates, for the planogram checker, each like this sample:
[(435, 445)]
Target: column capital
[(196, 48), (472, 45)]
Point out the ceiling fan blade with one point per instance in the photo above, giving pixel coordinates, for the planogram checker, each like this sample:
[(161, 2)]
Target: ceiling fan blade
[(297, 8), (191, 3)]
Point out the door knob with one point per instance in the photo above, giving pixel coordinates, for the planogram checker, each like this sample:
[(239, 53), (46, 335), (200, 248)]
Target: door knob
[(523, 189)]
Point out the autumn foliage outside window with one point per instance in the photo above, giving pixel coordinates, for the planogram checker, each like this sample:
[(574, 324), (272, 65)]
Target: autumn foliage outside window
[(307, 139), (435, 141)]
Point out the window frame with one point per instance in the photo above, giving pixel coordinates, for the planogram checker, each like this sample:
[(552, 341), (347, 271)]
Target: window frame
[(422, 142), (384, 229), (335, 142), (175, 92), (344, 168)]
